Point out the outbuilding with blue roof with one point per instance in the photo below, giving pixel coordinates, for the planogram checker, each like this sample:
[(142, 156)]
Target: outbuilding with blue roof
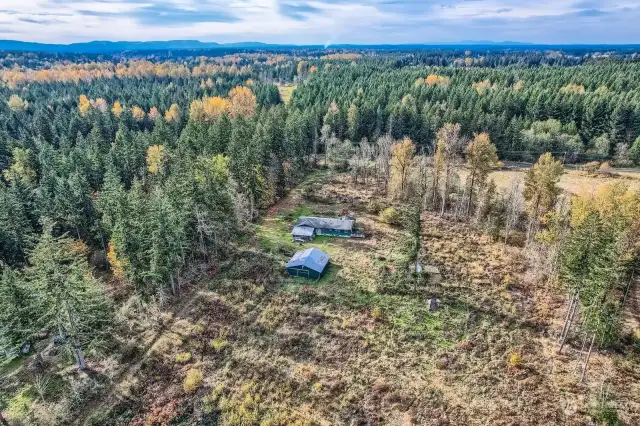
[(310, 263)]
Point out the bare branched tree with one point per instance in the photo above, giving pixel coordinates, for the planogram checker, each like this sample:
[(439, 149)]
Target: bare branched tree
[(358, 163), (451, 144), (514, 204), (383, 148)]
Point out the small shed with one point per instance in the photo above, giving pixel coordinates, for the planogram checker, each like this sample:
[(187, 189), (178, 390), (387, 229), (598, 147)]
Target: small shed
[(310, 263), (302, 234)]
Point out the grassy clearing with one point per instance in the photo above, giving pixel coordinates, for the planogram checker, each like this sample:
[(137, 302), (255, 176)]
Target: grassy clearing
[(574, 182), (275, 351), (286, 91)]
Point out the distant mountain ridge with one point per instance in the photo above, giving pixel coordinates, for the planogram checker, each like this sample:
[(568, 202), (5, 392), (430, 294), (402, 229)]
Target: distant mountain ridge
[(97, 47), (118, 46)]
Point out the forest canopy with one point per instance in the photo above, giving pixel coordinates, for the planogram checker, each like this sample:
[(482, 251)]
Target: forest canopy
[(120, 173)]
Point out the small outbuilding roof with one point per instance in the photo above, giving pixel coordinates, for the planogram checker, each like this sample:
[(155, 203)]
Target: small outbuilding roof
[(312, 258), (303, 231), (326, 223)]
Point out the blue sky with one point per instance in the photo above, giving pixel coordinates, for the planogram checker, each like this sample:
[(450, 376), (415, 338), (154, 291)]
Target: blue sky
[(323, 21)]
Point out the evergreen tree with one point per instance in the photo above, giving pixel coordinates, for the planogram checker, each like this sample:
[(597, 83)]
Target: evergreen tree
[(17, 316), (16, 230), (68, 298)]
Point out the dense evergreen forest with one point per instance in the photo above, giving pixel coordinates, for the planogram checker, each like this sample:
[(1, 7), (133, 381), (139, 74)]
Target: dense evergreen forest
[(120, 172)]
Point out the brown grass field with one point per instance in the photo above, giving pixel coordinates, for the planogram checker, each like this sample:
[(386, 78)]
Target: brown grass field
[(247, 345), (343, 351), (574, 182)]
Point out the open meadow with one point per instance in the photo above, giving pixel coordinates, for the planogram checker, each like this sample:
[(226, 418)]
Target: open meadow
[(572, 181), (253, 346)]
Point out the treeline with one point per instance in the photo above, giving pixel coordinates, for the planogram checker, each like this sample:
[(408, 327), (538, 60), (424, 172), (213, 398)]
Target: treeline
[(16, 72), (579, 113)]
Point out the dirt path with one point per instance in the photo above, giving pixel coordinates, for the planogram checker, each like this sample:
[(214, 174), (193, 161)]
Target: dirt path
[(112, 396)]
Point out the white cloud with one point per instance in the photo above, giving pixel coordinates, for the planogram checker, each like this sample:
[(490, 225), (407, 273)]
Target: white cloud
[(318, 21)]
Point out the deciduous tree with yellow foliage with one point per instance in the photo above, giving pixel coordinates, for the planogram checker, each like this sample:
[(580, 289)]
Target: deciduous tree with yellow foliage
[(208, 109), (155, 158), (597, 261), (17, 104), (243, 102), (173, 115), (541, 189), (116, 264), (84, 105), (401, 157), (116, 109), (481, 158), (138, 113)]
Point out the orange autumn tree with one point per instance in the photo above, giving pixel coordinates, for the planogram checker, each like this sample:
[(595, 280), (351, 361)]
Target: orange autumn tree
[(173, 115), (138, 113), (437, 80), (208, 109), (215, 107), (243, 102)]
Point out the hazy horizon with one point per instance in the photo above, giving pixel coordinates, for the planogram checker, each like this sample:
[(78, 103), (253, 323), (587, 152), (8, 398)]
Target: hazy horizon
[(320, 22)]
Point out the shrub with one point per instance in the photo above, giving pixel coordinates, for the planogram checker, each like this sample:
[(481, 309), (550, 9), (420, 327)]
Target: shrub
[(242, 408), (183, 357), (193, 380), (390, 216), (164, 414), (515, 359), (376, 313), (375, 206), (210, 401), (218, 344), (507, 281), (20, 405), (604, 412)]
